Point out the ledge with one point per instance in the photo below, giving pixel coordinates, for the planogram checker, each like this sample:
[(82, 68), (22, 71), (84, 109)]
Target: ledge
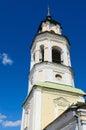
[(60, 87)]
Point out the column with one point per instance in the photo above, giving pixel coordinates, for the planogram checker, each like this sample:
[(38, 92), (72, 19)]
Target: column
[(37, 110), (37, 52), (65, 56), (49, 51)]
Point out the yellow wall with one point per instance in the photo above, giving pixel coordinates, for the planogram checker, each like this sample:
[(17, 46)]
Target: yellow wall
[(48, 105)]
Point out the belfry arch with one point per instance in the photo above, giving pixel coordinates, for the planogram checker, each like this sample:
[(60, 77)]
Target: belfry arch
[(41, 55), (56, 54)]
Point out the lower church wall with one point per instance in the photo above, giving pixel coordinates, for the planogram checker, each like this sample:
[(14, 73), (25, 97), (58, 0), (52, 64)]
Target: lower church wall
[(53, 104)]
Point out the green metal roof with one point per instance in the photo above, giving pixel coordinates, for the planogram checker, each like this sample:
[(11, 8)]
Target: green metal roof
[(60, 87)]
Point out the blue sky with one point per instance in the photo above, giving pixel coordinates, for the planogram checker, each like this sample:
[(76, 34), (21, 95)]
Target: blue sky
[(19, 21)]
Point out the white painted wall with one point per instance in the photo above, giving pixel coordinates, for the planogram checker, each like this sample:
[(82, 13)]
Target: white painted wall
[(37, 114)]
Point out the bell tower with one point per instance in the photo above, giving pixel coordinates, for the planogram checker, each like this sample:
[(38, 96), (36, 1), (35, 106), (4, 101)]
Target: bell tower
[(51, 79), (50, 55)]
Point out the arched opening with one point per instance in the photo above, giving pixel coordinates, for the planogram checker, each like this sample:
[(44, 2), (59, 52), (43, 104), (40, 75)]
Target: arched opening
[(56, 55), (52, 31), (41, 57), (59, 77), (34, 57)]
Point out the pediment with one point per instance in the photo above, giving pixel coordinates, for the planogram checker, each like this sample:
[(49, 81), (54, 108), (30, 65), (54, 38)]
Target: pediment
[(61, 101)]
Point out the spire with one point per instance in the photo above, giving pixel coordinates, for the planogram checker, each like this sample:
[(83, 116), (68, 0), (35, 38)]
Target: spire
[(48, 14)]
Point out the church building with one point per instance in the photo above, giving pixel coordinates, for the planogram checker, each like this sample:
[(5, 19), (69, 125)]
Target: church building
[(53, 102)]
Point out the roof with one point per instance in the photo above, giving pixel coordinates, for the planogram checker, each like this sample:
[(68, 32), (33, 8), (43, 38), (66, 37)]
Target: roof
[(49, 19), (60, 87)]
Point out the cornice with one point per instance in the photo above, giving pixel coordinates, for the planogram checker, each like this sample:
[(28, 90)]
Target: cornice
[(51, 36), (51, 65)]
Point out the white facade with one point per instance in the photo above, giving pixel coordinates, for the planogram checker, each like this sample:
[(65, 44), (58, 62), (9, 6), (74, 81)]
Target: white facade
[(31, 117), (45, 66)]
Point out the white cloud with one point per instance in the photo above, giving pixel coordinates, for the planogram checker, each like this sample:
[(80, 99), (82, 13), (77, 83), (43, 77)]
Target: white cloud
[(2, 116), (6, 60), (6, 123), (1, 121), (11, 123)]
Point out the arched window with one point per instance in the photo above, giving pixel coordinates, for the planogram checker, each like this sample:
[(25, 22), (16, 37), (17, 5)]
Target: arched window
[(34, 56), (52, 31), (56, 55), (41, 56), (59, 77)]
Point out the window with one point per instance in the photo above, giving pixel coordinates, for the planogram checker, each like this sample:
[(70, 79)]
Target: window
[(58, 76), (56, 55), (34, 56), (31, 80), (26, 119), (41, 57), (26, 128), (52, 31)]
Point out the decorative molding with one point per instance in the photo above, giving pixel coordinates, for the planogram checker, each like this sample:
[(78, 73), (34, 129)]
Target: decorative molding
[(48, 35), (50, 65), (61, 102)]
